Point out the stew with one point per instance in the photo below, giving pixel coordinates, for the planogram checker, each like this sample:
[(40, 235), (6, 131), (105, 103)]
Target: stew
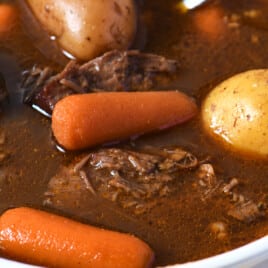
[(179, 190)]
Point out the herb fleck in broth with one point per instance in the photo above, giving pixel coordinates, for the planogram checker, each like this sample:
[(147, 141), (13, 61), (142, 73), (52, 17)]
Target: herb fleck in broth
[(179, 227)]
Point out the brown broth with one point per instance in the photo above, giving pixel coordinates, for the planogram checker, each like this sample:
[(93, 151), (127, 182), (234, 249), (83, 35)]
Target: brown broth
[(177, 229)]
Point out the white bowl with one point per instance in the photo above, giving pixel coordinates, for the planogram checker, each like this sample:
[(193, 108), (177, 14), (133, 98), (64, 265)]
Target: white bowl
[(252, 255)]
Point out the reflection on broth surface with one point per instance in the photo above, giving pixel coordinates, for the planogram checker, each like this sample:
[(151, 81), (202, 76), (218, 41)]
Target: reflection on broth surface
[(216, 206)]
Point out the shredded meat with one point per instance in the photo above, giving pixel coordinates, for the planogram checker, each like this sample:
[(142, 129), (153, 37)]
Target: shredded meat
[(241, 208), (207, 180), (3, 89), (236, 204), (227, 189), (246, 211), (137, 180), (114, 71), (132, 179)]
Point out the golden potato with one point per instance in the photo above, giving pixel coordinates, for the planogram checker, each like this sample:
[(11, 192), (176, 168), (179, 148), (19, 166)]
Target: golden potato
[(236, 111), (87, 28)]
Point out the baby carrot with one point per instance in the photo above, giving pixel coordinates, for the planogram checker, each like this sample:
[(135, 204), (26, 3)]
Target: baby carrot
[(49, 240), (81, 121), (8, 15), (209, 22)]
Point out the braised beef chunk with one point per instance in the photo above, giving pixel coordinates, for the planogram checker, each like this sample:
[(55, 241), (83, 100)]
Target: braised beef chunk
[(130, 178), (246, 211), (114, 71), (234, 202), (241, 207), (3, 89), (208, 183), (139, 180)]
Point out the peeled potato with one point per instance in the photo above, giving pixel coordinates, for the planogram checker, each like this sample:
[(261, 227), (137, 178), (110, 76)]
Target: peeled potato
[(236, 111), (88, 28)]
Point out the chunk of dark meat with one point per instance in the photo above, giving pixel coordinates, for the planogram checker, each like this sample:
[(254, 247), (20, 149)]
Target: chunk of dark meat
[(241, 208), (3, 89), (236, 204), (246, 211), (130, 178), (114, 71), (207, 180)]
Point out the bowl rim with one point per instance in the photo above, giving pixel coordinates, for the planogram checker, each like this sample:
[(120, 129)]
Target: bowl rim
[(251, 254)]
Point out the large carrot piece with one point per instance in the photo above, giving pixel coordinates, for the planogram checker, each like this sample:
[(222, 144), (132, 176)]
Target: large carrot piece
[(49, 240), (81, 121)]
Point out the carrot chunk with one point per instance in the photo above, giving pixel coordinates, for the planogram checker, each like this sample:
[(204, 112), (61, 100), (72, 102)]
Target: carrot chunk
[(49, 240), (8, 15), (209, 22), (81, 121)]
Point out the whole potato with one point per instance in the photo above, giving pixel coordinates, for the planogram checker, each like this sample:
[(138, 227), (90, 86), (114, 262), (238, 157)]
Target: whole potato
[(87, 28), (236, 111)]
